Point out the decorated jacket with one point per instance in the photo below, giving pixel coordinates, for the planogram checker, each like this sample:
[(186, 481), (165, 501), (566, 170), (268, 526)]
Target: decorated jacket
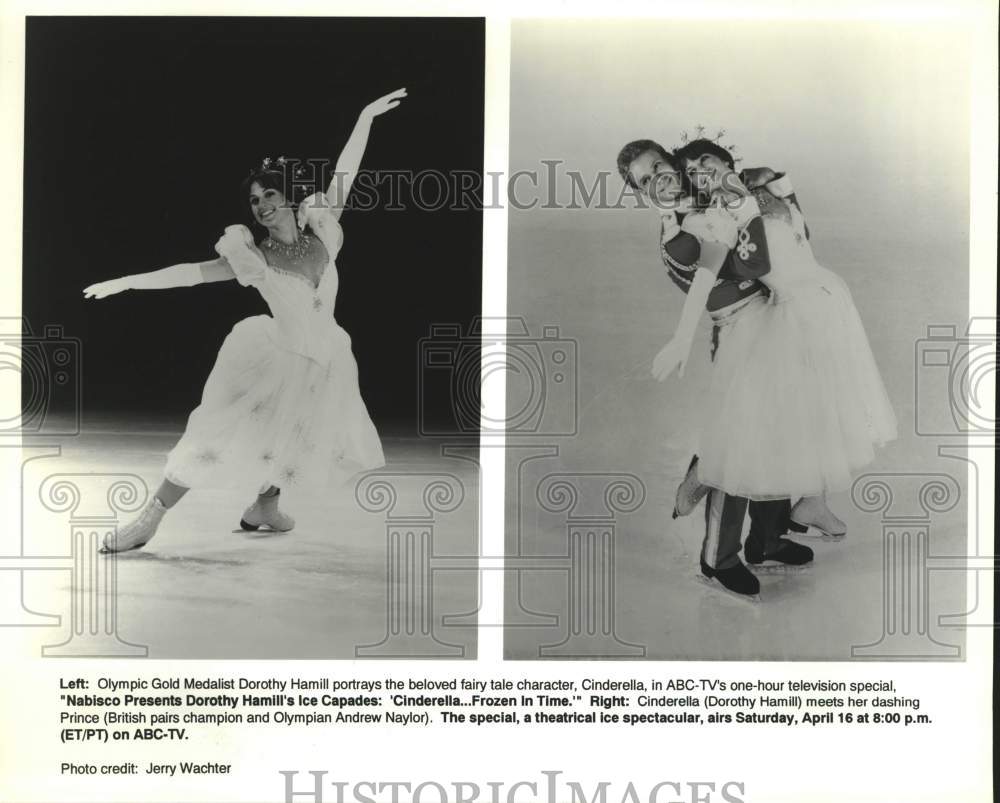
[(681, 236)]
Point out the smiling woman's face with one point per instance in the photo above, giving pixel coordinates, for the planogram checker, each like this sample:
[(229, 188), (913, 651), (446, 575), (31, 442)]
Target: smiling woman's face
[(268, 205), (706, 172)]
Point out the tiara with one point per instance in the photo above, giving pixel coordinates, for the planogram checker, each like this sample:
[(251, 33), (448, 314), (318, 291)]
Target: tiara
[(267, 163), (702, 133)]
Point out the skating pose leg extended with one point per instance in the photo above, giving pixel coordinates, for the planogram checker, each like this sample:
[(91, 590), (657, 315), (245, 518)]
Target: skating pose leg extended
[(282, 401)]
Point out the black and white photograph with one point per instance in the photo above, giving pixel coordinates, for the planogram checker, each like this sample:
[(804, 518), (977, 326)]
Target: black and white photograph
[(747, 243), (240, 236), (498, 402)]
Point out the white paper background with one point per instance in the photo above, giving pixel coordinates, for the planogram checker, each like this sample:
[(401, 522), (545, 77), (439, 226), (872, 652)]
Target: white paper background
[(949, 761)]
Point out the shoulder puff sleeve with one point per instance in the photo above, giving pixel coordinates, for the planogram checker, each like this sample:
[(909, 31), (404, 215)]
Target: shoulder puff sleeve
[(236, 246), (712, 225)]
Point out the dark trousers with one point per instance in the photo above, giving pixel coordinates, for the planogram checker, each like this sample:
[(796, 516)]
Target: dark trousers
[(724, 516)]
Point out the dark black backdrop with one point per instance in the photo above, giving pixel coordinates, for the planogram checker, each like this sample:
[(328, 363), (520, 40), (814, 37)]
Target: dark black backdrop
[(138, 132)]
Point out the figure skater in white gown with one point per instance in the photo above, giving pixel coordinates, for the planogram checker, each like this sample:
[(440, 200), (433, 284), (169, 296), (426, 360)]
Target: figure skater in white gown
[(796, 404), (281, 406)]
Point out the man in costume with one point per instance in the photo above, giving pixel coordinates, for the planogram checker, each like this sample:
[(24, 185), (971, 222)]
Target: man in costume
[(737, 286)]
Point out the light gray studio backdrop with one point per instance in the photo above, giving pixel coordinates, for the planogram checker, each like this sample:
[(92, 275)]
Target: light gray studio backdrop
[(870, 120)]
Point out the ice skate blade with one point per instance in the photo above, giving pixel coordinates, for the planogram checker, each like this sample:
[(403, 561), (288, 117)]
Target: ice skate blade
[(106, 550), (777, 567), (813, 532), (716, 586), (246, 527)]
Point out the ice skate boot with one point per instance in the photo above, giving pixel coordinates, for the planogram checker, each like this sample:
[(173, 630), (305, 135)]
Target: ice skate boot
[(815, 521), (784, 556), (264, 513), (737, 581), (137, 532), (690, 492)]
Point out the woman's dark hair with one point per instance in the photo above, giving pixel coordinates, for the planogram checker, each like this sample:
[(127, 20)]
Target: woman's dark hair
[(697, 148), (694, 150), (268, 179), (274, 177), (634, 150)]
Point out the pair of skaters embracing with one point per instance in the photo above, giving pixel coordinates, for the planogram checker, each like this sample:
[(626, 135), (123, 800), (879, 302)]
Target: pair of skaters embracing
[(795, 405)]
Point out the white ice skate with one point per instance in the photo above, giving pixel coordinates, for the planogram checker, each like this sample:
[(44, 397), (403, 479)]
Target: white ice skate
[(816, 521), (690, 492), (264, 513), (137, 532)]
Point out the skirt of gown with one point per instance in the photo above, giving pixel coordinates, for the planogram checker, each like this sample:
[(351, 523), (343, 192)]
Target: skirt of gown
[(796, 403), (271, 417)]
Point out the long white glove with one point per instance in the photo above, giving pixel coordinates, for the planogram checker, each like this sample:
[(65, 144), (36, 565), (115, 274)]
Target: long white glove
[(675, 354), (186, 274)]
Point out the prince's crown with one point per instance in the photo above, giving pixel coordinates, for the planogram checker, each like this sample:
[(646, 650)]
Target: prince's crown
[(700, 133)]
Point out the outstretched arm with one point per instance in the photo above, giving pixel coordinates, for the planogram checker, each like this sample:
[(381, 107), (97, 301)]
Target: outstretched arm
[(349, 160), (675, 353), (186, 274)]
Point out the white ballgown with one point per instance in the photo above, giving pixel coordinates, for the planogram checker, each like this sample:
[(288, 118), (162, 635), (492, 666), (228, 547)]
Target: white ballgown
[(796, 404), (282, 404)]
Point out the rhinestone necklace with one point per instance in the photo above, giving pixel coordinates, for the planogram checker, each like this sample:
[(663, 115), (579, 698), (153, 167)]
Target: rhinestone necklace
[(293, 251)]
